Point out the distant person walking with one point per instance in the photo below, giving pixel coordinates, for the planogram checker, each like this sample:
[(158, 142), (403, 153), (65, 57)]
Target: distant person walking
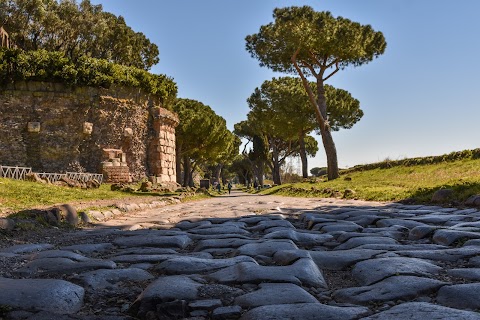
[(219, 187), (229, 186)]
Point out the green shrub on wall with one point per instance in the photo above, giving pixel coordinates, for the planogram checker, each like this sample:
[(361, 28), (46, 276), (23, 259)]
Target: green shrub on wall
[(42, 65)]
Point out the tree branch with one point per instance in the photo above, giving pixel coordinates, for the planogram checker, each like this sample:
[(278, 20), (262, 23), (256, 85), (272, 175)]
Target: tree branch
[(332, 63), (331, 74), (309, 67), (315, 58)]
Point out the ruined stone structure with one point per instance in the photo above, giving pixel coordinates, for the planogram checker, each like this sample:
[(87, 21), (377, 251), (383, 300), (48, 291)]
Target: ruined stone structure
[(55, 128)]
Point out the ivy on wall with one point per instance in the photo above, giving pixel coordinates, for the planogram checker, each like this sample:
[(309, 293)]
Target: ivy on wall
[(42, 65)]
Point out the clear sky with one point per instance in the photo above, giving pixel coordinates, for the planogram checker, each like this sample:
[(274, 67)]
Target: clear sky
[(420, 98)]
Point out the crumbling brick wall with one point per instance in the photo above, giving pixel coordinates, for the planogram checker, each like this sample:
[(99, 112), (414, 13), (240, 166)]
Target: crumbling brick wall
[(55, 128)]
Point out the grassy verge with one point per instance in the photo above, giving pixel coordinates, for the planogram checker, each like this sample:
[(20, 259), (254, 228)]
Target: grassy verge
[(16, 195), (414, 183)]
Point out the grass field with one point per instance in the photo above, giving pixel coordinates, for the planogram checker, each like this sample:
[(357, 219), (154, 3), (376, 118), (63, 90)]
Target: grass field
[(16, 195), (415, 183)]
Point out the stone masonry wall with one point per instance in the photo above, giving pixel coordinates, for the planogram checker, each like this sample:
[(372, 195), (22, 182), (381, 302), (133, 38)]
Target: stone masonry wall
[(54, 128)]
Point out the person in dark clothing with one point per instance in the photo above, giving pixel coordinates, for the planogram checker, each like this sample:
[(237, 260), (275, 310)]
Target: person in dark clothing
[(229, 186)]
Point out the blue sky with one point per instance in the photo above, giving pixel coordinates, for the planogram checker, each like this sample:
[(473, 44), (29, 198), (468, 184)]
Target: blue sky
[(420, 98)]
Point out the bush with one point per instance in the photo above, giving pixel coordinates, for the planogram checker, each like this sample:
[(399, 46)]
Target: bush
[(42, 65), (451, 157)]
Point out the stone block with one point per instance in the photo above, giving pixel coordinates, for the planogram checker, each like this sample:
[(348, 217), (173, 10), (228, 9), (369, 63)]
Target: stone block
[(34, 127), (87, 128), (128, 132)]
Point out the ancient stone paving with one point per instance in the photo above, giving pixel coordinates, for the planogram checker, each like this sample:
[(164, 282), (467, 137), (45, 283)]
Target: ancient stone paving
[(252, 257)]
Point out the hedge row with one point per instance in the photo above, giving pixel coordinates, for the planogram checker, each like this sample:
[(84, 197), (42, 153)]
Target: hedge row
[(42, 65), (454, 156)]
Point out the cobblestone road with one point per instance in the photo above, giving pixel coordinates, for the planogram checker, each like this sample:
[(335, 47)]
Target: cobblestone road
[(254, 257)]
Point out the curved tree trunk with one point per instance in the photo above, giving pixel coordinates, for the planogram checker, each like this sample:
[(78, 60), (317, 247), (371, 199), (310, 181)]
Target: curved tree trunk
[(327, 139), (320, 107), (303, 155)]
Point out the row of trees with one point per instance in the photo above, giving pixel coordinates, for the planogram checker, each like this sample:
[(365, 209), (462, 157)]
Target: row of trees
[(203, 142), (283, 111), (317, 45), (76, 29), (281, 120)]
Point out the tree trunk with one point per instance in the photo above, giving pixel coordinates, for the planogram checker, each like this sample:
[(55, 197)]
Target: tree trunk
[(191, 183), (218, 171), (178, 163), (276, 166), (303, 155), (327, 139), (186, 171), (320, 107), (258, 168), (331, 152)]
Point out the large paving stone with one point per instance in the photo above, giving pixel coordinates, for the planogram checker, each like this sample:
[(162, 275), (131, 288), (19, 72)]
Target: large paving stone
[(265, 248), (27, 248), (216, 229), (358, 241), (438, 219), (341, 259), (392, 288), (58, 266), (152, 240), (105, 278), (451, 255), (410, 224), (448, 236), (421, 232), (365, 220), (275, 293), (304, 311), (58, 254), (397, 235), (374, 270), (402, 247), (254, 219), (303, 271), (423, 310), (193, 265), (165, 289), (263, 225), (307, 239), (222, 243), (155, 258), (57, 296), (144, 251), (90, 248), (466, 273), (187, 225), (461, 296), (344, 226)]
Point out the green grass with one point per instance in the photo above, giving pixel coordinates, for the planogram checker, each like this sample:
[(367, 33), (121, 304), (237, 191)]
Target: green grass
[(16, 195), (416, 183)]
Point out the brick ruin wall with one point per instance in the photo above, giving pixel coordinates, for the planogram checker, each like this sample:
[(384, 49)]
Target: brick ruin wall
[(55, 128)]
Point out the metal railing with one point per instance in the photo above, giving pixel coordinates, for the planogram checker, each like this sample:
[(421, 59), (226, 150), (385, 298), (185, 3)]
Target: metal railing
[(19, 173), (52, 177), (84, 177)]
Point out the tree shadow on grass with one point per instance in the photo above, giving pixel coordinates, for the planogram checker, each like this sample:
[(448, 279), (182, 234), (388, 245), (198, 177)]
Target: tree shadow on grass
[(461, 192)]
